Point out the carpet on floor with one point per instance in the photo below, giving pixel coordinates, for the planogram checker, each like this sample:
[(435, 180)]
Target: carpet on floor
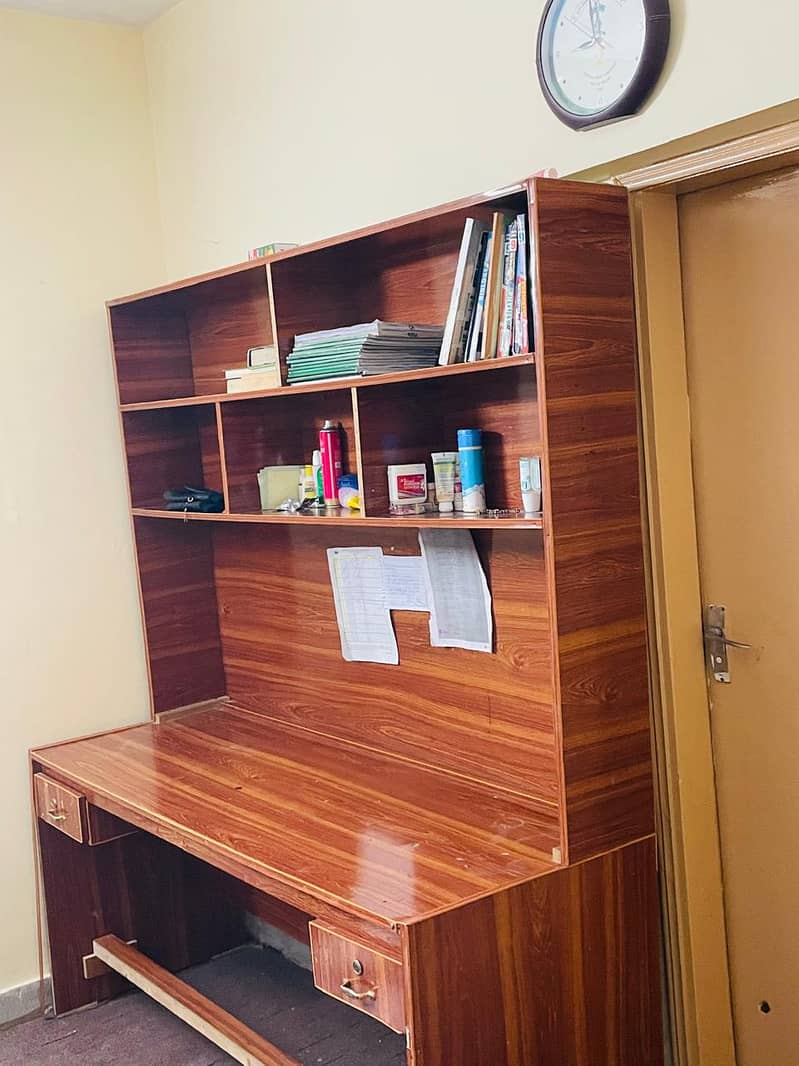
[(273, 996)]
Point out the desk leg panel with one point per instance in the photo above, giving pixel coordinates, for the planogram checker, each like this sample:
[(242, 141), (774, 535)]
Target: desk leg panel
[(137, 888), (561, 971)]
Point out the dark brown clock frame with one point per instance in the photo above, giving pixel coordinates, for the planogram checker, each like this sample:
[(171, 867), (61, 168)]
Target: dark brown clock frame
[(653, 58)]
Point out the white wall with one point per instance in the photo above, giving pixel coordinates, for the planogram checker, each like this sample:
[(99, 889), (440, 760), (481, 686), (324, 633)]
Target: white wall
[(78, 224), (295, 119)]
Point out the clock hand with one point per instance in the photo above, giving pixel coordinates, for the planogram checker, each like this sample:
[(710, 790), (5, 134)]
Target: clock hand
[(582, 29)]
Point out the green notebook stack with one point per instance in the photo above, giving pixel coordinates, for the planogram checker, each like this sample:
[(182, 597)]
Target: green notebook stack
[(367, 348)]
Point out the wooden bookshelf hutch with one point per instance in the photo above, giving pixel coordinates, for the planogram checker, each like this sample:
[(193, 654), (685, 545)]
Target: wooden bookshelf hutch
[(466, 840)]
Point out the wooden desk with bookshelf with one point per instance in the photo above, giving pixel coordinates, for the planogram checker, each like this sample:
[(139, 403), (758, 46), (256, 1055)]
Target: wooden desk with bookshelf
[(465, 840)]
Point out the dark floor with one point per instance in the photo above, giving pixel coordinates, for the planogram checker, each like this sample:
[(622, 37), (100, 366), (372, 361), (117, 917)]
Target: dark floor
[(257, 985)]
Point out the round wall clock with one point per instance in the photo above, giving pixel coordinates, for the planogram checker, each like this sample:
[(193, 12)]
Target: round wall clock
[(598, 60)]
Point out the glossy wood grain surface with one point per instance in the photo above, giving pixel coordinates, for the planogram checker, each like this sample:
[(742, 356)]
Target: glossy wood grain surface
[(272, 432), (486, 716), (152, 357), (372, 836), (561, 971), (178, 595), (224, 319), (169, 449), (405, 422), (378, 380), (587, 380)]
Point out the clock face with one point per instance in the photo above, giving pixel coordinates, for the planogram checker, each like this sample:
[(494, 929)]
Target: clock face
[(590, 52)]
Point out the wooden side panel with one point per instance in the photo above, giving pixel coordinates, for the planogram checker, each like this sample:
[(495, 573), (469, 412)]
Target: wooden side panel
[(137, 887), (225, 317), (151, 350), (487, 716), (180, 612), (170, 448), (561, 971), (407, 421), (585, 328)]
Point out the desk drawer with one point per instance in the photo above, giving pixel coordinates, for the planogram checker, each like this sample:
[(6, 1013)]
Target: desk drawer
[(59, 806), (363, 977)]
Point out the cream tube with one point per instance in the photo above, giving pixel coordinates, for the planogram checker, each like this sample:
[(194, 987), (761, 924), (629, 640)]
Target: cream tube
[(444, 473)]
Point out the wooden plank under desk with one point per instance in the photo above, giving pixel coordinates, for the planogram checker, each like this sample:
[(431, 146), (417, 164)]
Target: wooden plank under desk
[(308, 818)]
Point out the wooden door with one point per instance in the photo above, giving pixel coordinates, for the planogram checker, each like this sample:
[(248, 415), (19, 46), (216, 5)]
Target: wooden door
[(740, 262)]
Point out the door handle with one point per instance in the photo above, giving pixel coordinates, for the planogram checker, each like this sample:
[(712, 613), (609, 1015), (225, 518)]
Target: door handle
[(717, 642)]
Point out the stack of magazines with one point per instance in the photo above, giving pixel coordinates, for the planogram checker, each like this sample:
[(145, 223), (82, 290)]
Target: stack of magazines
[(368, 348)]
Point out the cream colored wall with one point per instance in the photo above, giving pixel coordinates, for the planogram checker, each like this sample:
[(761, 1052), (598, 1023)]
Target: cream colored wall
[(78, 223), (294, 119)]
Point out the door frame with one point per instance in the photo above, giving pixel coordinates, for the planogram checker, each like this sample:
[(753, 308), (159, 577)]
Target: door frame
[(695, 941)]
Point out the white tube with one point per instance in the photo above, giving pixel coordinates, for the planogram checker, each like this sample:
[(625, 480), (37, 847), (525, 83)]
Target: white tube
[(444, 473)]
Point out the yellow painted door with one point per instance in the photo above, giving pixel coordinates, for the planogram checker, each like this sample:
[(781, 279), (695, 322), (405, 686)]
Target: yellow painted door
[(740, 259)]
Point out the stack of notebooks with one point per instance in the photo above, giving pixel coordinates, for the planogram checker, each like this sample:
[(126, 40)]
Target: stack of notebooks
[(368, 348), (489, 313)]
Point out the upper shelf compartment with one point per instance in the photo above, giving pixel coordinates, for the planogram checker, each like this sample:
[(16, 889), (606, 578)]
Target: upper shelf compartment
[(399, 272), (179, 342)]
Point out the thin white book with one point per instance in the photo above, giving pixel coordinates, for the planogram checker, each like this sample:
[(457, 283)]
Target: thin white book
[(461, 289)]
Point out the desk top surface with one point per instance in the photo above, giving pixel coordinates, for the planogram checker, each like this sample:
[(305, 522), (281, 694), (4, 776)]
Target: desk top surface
[(378, 837)]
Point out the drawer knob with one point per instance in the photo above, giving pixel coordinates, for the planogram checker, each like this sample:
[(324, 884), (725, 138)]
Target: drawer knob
[(348, 990), (56, 814)]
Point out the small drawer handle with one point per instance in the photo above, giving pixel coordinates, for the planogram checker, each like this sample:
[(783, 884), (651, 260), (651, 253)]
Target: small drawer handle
[(56, 813), (348, 990)]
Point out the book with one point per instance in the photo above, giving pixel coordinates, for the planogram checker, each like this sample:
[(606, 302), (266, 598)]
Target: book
[(461, 289), (520, 344), (269, 249), (254, 382), (471, 303), (366, 348), (499, 225), (506, 299), (476, 332), (263, 355)]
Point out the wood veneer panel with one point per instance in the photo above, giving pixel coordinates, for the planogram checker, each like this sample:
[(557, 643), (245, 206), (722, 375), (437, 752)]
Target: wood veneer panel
[(169, 448), (407, 421), (561, 971), (587, 379), (278, 431), (225, 317), (401, 273), (315, 822), (181, 621), (487, 716), (151, 350)]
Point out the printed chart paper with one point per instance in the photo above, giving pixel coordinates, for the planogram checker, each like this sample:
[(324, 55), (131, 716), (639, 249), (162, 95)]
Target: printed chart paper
[(459, 598), (364, 620)]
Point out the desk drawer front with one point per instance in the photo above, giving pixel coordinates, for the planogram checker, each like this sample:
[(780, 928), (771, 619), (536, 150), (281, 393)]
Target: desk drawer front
[(59, 806), (360, 976)]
